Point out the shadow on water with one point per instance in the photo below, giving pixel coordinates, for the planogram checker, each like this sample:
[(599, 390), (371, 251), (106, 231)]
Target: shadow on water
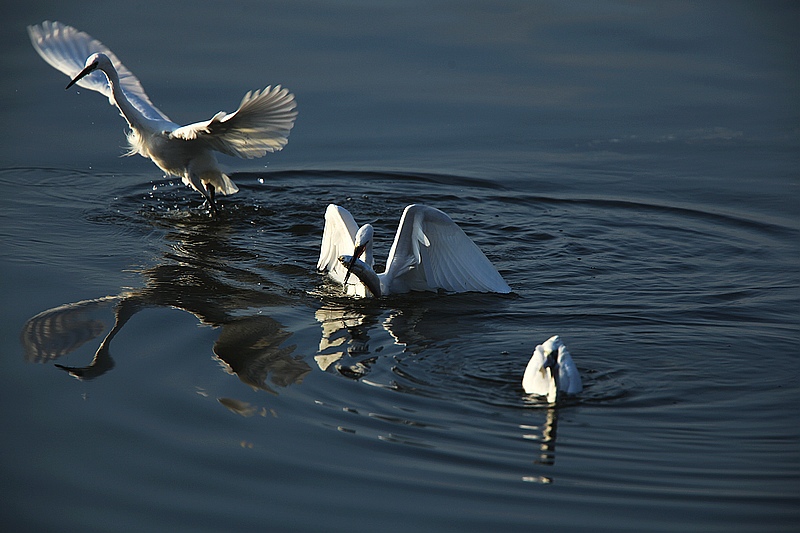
[(251, 345)]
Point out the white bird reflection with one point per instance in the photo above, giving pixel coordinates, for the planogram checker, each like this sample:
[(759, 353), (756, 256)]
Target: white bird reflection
[(545, 435), (429, 253), (344, 332), (417, 324), (261, 124), (355, 331)]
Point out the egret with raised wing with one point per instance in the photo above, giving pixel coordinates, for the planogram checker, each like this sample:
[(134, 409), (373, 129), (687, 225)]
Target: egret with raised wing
[(260, 125), (551, 372), (430, 252)]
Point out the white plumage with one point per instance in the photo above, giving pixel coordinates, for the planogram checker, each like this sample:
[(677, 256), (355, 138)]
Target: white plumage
[(430, 252), (260, 125), (551, 371)]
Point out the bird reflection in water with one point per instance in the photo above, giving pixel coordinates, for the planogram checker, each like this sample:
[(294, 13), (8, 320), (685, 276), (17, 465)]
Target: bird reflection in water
[(545, 436), (417, 322), (345, 339), (414, 321), (189, 278)]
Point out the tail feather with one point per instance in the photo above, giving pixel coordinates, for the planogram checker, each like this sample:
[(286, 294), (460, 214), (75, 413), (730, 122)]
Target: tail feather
[(224, 184), (221, 182)]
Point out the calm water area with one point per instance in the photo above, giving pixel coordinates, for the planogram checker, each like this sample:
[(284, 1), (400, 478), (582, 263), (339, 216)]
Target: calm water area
[(630, 168)]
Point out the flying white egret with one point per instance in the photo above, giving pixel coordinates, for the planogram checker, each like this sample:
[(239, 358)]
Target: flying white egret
[(260, 125), (429, 252), (551, 371)]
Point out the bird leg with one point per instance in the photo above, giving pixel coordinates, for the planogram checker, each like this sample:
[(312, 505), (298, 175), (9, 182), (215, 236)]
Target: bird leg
[(211, 202)]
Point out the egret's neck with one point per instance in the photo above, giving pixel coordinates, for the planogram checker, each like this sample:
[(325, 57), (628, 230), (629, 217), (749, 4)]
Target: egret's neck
[(552, 391), (133, 116), (368, 257), (369, 278), (363, 240), (552, 364)]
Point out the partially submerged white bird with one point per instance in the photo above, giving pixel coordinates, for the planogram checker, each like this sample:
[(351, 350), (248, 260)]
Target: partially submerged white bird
[(551, 371), (430, 252), (260, 125)]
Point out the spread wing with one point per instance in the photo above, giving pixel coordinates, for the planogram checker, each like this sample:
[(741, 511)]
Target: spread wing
[(536, 379), (338, 238), (569, 380), (61, 330), (431, 252), (260, 125), (66, 49)]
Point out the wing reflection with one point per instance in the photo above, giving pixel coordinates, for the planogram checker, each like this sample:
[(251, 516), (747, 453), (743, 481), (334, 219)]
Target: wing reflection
[(195, 276), (63, 329)]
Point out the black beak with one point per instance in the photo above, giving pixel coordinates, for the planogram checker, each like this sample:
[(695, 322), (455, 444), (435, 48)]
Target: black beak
[(88, 70), (358, 251)]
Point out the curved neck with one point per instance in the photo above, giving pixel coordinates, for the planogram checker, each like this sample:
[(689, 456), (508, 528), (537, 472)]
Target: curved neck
[(551, 364), (132, 115), (372, 281), (368, 257), (368, 277), (363, 243)]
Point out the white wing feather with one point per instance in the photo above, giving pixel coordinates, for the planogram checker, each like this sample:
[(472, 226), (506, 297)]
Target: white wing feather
[(536, 380), (66, 49), (338, 238), (431, 252), (260, 125), (569, 380)]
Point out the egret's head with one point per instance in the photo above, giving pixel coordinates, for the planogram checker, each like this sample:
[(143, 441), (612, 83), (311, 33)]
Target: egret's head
[(362, 240), (364, 235), (93, 62)]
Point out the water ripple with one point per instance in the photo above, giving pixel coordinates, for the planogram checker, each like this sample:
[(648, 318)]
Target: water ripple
[(662, 306)]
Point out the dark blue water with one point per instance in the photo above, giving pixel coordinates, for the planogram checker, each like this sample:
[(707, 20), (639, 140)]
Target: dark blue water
[(631, 170)]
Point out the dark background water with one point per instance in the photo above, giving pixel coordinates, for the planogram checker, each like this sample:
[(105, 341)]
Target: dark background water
[(630, 168)]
